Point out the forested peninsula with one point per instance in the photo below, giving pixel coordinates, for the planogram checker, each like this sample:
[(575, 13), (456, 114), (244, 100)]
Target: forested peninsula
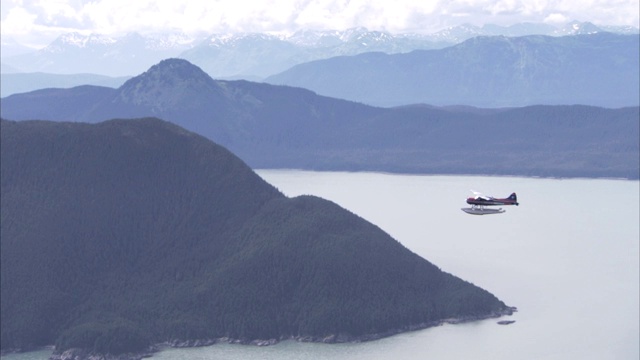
[(125, 234)]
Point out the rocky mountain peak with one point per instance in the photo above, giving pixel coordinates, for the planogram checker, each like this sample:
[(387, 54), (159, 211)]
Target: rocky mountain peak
[(577, 28), (77, 40), (168, 83)]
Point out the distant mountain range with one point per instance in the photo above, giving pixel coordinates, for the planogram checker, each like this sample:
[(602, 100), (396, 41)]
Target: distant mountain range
[(121, 235), (75, 53), (247, 56), (10, 47), (601, 69), (26, 82), (272, 126)]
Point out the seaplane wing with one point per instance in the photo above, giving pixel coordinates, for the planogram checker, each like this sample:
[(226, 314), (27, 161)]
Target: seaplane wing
[(480, 196)]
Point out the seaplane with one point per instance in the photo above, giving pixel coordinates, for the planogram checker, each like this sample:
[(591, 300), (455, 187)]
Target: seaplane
[(480, 202)]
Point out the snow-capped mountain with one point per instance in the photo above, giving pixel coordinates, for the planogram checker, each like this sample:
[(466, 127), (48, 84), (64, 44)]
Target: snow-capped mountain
[(456, 34), (76, 40), (464, 32), (161, 42), (237, 40), (577, 28), (316, 38), (171, 41), (252, 55), (75, 53), (625, 30)]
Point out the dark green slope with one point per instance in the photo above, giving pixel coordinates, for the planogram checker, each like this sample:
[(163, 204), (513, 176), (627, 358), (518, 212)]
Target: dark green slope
[(110, 213), (125, 233), (336, 274)]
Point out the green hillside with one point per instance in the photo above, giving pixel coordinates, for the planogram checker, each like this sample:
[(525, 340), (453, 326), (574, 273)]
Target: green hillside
[(126, 233)]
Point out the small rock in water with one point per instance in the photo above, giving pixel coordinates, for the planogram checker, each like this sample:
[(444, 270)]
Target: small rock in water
[(506, 322)]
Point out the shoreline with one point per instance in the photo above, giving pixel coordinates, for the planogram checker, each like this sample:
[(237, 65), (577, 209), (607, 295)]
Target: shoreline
[(391, 173), (81, 354)]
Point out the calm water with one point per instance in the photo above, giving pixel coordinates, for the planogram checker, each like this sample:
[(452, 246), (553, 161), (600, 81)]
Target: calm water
[(567, 257)]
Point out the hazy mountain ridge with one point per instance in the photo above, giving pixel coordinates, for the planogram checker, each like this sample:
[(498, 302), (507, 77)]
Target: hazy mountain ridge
[(98, 54), (11, 47), (600, 69), (284, 127), (247, 55), (126, 233), (26, 82)]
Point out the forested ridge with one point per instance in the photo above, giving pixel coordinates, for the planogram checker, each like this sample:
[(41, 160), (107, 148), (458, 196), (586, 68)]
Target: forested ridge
[(271, 126), (127, 233)]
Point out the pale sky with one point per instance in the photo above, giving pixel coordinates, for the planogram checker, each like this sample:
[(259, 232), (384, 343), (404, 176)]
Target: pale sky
[(38, 22)]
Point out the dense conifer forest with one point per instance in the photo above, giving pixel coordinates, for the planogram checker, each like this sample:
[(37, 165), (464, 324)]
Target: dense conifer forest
[(122, 234)]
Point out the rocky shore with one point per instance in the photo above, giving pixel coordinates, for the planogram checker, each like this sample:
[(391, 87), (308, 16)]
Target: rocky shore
[(81, 354)]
